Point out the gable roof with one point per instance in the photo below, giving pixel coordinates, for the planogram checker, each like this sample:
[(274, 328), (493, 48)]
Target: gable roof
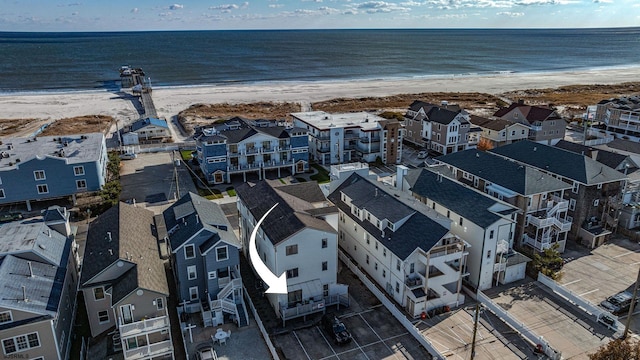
[(565, 163), (522, 179), (22, 238), (289, 217), (193, 213), (308, 191), (609, 158), (532, 113), (462, 200), (419, 231), (238, 129), (495, 124), (443, 116), (123, 233), (149, 121)]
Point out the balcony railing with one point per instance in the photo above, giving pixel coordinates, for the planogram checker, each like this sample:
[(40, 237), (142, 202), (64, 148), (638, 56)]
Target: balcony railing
[(148, 351), (143, 326), (348, 135), (446, 250), (540, 244), (253, 166), (499, 267), (301, 309)]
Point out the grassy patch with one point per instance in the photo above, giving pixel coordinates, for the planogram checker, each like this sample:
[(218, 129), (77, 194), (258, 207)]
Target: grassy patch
[(186, 155), (282, 181), (208, 195), (231, 191), (301, 179), (322, 176)]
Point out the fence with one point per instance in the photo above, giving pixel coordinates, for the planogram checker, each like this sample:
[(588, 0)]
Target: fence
[(527, 333), (265, 335), (415, 332), (586, 306)]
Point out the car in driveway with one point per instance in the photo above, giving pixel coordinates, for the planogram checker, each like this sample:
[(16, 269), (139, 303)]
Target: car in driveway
[(336, 329), (128, 156), (618, 303), (423, 154)]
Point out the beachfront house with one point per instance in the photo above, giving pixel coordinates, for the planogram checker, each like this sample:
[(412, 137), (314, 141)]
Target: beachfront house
[(347, 137), (486, 223), (595, 195), (51, 167), (205, 258), (295, 238), (241, 146), (145, 131), (497, 132), (412, 256), (124, 284), (546, 126), (620, 115), (443, 129), (543, 220), (38, 283)]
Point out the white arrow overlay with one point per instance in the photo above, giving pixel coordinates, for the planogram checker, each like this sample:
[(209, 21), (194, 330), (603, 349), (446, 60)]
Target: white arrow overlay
[(277, 285)]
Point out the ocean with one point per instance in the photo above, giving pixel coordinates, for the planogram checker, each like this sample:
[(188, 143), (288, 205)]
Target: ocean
[(35, 62)]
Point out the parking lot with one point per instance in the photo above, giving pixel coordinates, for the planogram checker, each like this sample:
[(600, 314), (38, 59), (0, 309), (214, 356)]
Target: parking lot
[(376, 335)]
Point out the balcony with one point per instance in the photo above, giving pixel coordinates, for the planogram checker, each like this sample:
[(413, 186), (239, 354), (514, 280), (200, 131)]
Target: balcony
[(446, 250), (326, 137), (351, 135), (414, 281), (539, 244), (291, 311), (367, 140), (323, 149), (250, 151), (536, 128), (149, 351), (143, 326), (245, 167)]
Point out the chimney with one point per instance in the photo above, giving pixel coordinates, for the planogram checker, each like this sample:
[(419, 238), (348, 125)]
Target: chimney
[(24, 294), (109, 235), (376, 195), (30, 269), (48, 232), (110, 252), (197, 219)]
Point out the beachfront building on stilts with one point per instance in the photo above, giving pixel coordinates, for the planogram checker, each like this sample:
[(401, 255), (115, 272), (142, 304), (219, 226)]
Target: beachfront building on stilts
[(241, 146)]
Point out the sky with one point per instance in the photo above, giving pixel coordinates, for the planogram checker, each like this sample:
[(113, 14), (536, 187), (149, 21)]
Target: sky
[(134, 15)]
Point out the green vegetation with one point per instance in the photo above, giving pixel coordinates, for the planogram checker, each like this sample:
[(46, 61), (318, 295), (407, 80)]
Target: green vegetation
[(549, 262), (322, 176), (301, 179), (208, 194), (618, 349), (282, 181), (392, 115), (231, 191), (186, 155), (111, 190)]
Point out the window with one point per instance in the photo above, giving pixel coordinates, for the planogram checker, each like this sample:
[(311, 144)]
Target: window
[(292, 273), (292, 249), (367, 237), (98, 293), (596, 202), (325, 266), (572, 204), (43, 189), (377, 245), (575, 188), (2, 196), (412, 268), (325, 290), (491, 234), (488, 254), (212, 275), (81, 184), (160, 303), (78, 170), (39, 175), (384, 252), (103, 316), (397, 287), (222, 253), (189, 251), (324, 243), (367, 258), (191, 272), (5, 317), (448, 214), (599, 186), (375, 266), (384, 273), (461, 220), (193, 293), (20, 343), (398, 265)]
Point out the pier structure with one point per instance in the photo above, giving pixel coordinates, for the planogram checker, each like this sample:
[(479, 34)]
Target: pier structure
[(134, 79)]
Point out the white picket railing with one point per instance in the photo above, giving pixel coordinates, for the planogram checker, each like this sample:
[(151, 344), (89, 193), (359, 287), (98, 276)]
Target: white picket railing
[(263, 331)]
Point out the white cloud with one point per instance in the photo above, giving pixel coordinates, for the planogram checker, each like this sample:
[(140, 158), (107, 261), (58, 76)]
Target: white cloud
[(457, 4), (134, 10), (275, 6), (74, 13), (510, 14), (603, 1), (224, 7), (176, 7), (373, 7)]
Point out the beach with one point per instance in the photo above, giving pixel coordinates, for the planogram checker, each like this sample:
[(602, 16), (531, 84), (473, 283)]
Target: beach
[(169, 101)]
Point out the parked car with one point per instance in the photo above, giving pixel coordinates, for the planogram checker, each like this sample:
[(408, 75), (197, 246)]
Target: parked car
[(618, 303), (336, 329), (206, 353), (423, 154), (128, 156)]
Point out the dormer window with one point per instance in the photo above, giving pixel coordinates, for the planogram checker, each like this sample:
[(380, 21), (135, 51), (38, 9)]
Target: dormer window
[(357, 212), (391, 226)]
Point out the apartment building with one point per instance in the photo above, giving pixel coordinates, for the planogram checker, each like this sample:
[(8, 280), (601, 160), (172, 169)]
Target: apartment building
[(38, 283), (546, 126), (295, 238), (411, 256), (240, 146), (444, 129), (205, 258), (124, 284), (543, 220), (595, 195), (51, 167), (347, 137), (497, 132), (620, 115)]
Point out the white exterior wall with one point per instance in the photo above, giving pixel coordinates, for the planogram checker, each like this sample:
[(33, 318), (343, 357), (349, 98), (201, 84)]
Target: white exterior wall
[(336, 145)]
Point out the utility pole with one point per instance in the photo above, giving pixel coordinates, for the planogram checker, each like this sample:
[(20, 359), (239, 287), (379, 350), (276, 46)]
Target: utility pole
[(475, 330), (633, 303)]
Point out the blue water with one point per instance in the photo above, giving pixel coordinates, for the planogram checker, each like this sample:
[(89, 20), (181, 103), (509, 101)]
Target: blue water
[(85, 61)]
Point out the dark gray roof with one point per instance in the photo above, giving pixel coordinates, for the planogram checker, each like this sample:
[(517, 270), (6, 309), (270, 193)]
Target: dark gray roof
[(462, 200), (516, 177), (190, 214), (496, 124), (308, 191), (443, 116), (55, 213), (289, 217), (379, 203), (609, 158), (625, 145), (124, 232), (565, 163), (419, 231), (237, 129)]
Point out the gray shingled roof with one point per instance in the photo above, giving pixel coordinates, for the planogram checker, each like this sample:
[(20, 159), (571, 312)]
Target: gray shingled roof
[(124, 233), (609, 158), (33, 237), (460, 199), (522, 179), (419, 231), (78, 149), (443, 116), (565, 163), (377, 202), (308, 191), (192, 213), (289, 217)]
